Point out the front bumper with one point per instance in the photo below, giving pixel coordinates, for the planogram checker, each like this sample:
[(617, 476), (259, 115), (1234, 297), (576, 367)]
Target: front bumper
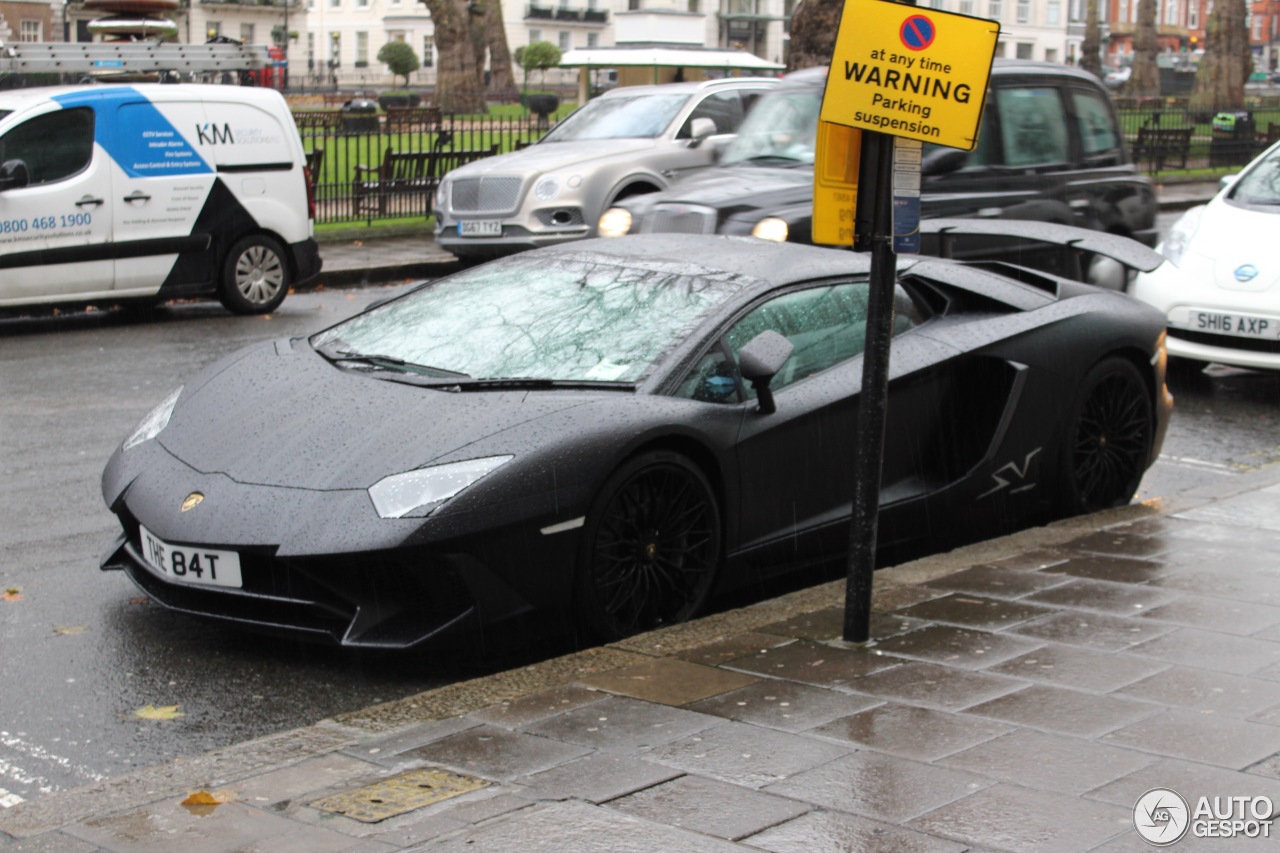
[(514, 238)]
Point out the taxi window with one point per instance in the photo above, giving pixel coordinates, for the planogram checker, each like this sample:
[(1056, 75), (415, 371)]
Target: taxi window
[(1033, 126), (53, 146), (1099, 139)]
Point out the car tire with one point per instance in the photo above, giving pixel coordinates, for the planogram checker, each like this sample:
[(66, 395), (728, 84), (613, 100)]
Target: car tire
[(1108, 440), (255, 276), (651, 548)]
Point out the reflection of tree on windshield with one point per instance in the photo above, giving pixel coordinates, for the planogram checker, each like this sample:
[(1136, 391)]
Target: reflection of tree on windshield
[(780, 127), (562, 319), (1261, 184), (640, 117)]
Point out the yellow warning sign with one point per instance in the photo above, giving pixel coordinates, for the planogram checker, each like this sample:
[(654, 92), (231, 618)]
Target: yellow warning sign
[(835, 183), (910, 71)]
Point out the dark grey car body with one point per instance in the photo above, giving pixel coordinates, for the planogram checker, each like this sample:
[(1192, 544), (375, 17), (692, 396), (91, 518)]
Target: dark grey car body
[(986, 382)]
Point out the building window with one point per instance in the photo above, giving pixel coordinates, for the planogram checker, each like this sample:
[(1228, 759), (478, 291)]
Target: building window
[(1024, 11), (362, 48), (362, 4), (1171, 12), (694, 6), (1053, 13), (995, 9), (1025, 49), (1193, 15), (633, 5), (428, 51), (966, 7), (334, 4), (938, 4), (563, 41), (31, 31), (1051, 54), (213, 29), (535, 35), (593, 39)]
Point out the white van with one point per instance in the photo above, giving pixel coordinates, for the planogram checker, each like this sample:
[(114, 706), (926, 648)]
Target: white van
[(152, 192)]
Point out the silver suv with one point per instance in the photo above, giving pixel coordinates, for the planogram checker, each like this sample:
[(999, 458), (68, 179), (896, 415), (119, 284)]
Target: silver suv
[(629, 141)]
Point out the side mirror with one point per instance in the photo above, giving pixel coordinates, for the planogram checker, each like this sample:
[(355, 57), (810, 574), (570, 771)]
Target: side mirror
[(759, 361), (13, 175), (700, 129), (944, 161)]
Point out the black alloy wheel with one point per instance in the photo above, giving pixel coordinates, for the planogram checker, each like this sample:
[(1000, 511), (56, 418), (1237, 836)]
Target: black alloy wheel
[(1109, 438), (651, 549)]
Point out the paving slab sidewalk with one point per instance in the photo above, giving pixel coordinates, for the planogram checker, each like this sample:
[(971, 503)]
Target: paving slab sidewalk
[(1019, 694)]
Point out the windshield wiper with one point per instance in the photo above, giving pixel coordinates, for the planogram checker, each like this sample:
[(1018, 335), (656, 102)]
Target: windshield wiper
[(390, 362), (518, 382)]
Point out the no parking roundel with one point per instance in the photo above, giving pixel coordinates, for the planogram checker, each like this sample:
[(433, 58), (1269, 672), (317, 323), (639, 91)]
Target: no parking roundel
[(917, 32)]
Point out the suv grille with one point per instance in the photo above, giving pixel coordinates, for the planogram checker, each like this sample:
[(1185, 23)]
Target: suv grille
[(484, 195), (681, 219)]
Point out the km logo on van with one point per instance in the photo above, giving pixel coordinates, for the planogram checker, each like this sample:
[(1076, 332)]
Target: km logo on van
[(210, 134)]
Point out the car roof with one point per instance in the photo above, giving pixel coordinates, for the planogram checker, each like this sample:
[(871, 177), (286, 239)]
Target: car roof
[(760, 262), (1001, 67), (689, 86)]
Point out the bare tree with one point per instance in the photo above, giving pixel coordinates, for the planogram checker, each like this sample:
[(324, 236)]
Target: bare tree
[(813, 33), (502, 82), (1144, 78), (1091, 47), (460, 45), (1227, 58)]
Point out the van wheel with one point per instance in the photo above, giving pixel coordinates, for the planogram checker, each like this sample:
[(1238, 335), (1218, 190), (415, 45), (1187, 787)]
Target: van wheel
[(255, 279)]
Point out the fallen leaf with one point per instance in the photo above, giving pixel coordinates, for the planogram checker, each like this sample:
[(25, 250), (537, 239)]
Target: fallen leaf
[(139, 599), (69, 630), (357, 242), (202, 798), (319, 286), (13, 593), (164, 712)]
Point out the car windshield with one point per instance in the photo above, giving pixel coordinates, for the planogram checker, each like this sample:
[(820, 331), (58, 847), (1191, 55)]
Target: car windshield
[(1261, 183), (567, 317), (783, 126), (620, 117)]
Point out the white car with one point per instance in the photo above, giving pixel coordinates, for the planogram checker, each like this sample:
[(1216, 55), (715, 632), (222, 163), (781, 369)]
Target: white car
[(1220, 288), (630, 141)]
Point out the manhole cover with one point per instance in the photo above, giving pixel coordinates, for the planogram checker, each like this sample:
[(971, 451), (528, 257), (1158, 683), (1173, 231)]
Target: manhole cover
[(399, 794)]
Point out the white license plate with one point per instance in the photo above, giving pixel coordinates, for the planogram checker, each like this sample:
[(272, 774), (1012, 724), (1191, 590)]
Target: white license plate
[(479, 228), (1238, 325), (188, 564)]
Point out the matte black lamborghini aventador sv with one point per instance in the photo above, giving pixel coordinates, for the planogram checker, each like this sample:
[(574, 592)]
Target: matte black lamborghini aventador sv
[(570, 431)]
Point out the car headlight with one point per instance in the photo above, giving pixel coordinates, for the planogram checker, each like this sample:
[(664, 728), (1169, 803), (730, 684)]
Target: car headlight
[(1175, 244), (771, 228), (442, 196), (157, 420), (423, 488), (546, 189), (614, 222)]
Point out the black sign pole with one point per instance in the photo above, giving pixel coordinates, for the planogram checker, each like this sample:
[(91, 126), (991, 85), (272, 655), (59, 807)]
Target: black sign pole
[(873, 401)]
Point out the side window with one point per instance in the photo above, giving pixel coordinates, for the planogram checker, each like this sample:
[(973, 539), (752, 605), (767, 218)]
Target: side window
[(54, 146), (1099, 140), (724, 108), (826, 325), (1033, 127)]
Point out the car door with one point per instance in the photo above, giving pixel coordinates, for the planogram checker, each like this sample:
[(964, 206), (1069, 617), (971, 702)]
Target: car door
[(723, 108), (165, 173), (796, 463), (55, 216)]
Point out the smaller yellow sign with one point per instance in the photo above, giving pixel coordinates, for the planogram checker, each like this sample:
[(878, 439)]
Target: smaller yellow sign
[(908, 71), (835, 183)]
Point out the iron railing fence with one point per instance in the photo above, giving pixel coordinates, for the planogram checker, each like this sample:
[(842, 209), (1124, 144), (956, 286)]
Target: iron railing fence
[(349, 150), (385, 165)]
